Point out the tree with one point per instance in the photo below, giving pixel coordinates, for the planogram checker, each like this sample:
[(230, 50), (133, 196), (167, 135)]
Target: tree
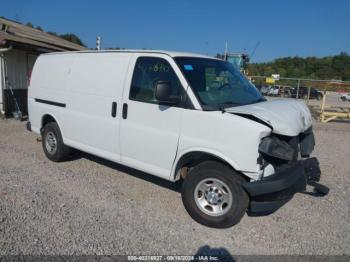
[(53, 33), (69, 36), (330, 67), (72, 38)]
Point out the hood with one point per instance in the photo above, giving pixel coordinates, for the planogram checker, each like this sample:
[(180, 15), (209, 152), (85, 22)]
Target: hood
[(287, 117)]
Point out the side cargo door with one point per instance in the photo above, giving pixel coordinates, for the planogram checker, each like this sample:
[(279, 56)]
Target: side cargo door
[(93, 111), (150, 130)]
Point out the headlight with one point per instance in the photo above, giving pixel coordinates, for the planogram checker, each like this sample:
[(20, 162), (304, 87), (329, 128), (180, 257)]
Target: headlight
[(275, 147)]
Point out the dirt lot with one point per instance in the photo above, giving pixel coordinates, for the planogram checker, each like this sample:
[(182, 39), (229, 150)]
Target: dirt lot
[(332, 100), (92, 206)]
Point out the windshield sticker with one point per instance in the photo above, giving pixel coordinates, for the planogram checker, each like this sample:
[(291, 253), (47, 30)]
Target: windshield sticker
[(188, 67)]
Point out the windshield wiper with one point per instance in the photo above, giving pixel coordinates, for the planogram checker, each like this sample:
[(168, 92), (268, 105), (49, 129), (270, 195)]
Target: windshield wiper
[(261, 100), (225, 105)]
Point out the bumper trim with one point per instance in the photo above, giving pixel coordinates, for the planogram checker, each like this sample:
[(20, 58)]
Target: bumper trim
[(265, 208), (271, 193), (277, 182)]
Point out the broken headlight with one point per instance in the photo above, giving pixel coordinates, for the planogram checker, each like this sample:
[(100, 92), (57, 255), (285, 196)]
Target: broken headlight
[(275, 147)]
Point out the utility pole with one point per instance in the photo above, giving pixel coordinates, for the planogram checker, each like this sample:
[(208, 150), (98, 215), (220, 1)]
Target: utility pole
[(98, 43), (297, 95)]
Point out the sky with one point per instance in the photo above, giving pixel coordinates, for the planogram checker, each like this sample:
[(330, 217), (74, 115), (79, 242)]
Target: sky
[(273, 28)]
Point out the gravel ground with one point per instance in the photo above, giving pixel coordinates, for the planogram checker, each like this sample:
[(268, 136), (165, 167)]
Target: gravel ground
[(92, 206)]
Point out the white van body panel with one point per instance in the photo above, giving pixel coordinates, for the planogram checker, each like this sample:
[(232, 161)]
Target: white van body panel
[(288, 117), (150, 134), (232, 138), (48, 81), (87, 84), (90, 100)]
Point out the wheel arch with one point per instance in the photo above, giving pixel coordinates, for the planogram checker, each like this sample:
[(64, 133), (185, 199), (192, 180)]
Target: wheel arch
[(197, 155), (62, 150), (48, 118)]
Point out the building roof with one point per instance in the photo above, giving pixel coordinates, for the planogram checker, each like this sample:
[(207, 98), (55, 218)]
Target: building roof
[(13, 33), (169, 53)]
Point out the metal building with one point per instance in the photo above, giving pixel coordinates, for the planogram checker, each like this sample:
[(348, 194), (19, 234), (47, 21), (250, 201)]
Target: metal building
[(20, 45)]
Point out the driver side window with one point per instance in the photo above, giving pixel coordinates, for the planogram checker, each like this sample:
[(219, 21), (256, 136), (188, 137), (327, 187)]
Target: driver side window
[(147, 73)]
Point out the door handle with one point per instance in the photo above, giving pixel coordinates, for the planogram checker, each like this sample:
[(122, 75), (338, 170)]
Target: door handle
[(125, 110), (114, 109)]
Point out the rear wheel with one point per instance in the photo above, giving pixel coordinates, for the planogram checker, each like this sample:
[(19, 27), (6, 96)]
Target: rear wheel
[(52, 143), (213, 195)]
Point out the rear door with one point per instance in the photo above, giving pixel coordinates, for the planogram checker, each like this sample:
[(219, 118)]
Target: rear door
[(150, 130)]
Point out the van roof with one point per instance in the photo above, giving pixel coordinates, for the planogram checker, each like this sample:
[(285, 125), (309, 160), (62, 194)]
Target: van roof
[(169, 53)]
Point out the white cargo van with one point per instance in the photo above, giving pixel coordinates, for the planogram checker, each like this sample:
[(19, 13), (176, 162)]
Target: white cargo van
[(177, 116)]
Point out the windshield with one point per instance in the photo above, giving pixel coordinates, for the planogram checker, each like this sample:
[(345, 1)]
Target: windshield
[(218, 84)]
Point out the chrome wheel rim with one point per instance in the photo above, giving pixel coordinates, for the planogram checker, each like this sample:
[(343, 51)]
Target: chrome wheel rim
[(213, 197), (51, 143)]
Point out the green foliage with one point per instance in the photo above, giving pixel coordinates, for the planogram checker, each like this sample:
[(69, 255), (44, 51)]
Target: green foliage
[(330, 67), (52, 33), (69, 36), (72, 38)]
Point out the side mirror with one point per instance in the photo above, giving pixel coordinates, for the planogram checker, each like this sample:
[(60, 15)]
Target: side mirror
[(163, 93)]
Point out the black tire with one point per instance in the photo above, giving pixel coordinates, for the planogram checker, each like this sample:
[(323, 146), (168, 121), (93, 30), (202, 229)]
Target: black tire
[(221, 172), (61, 152)]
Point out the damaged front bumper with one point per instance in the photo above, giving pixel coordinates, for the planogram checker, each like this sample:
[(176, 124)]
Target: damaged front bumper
[(271, 192)]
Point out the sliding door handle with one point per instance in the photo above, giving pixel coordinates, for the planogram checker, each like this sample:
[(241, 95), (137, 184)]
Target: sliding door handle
[(114, 109), (125, 110)]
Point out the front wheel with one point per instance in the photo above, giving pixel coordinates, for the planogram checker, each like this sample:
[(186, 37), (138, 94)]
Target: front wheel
[(213, 195)]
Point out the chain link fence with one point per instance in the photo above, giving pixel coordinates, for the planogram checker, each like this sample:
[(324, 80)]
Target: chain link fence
[(324, 97)]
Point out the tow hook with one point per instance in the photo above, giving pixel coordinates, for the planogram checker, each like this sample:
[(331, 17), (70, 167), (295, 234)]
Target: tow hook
[(313, 174), (320, 189)]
